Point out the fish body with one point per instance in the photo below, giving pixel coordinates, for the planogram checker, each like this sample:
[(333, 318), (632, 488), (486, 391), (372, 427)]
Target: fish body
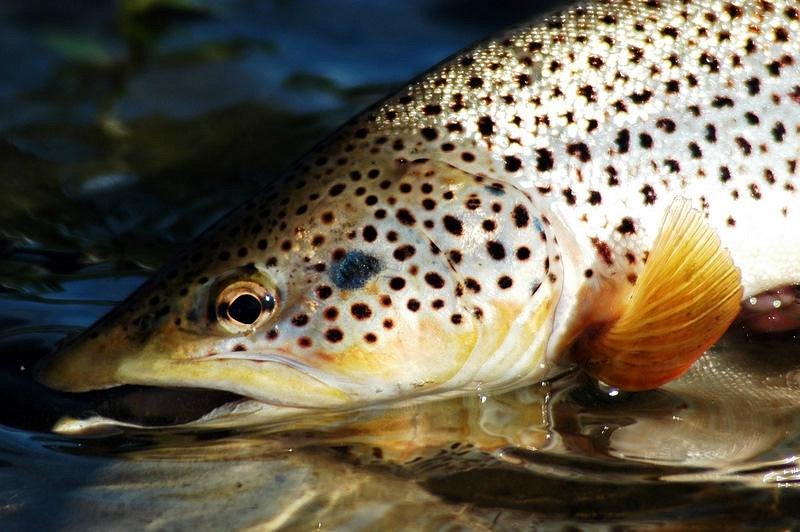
[(467, 233)]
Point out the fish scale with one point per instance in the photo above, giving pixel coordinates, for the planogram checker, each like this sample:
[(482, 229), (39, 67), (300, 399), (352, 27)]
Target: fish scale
[(589, 124)]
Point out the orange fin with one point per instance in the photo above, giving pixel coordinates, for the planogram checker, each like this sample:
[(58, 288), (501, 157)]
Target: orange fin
[(685, 299)]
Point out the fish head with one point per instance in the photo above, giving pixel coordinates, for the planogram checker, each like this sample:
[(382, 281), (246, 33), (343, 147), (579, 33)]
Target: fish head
[(338, 293)]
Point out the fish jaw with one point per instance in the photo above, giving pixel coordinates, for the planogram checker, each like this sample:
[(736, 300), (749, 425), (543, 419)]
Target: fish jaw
[(102, 363)]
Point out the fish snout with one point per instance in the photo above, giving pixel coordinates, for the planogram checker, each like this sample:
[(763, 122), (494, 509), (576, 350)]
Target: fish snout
[(89, 362)]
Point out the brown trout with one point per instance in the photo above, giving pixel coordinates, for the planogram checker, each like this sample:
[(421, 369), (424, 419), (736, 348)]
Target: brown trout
[(602, 187)]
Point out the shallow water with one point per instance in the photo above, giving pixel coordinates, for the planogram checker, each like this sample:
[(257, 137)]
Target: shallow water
[(125, 130)]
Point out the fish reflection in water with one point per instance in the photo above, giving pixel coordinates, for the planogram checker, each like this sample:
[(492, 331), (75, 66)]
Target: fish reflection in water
[(719, 438)]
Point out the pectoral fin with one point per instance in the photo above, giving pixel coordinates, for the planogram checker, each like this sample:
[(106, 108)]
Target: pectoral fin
[(686, 297)]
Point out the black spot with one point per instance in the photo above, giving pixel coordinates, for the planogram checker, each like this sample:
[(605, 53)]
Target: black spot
[(354, 270), (397, 283), (496, 250), (472, 284), (669, 31), (413, 305), (744, 145), (370, 233), (673, 86), (513, 163), (779, 132), (434, 279), (505, 282), (753, 86), (580, 150), (623, 141), (626, 227), (453, 225), (361, 311), (672, 165), (649, 194), (405, 217), (721, 101), (485, 126), (520, 216), (588, 92), (429, 133), (300, 320), (334, 335), (641, 97), (404, 252), (544, 160), (706, 59), (523, 253), (596, 62)]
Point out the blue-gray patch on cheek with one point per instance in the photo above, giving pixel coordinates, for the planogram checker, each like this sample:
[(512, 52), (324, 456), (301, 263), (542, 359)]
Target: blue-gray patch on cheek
[(354, 270), (495, 190), (538, 224)]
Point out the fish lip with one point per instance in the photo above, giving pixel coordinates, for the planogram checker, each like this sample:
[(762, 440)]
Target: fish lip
[(323, 379), (58, 372), (283, 360)]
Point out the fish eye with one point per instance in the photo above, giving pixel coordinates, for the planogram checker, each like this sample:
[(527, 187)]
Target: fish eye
[(244, 305)]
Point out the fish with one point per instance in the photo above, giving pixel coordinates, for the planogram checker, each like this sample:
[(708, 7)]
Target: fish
[(604, 187)]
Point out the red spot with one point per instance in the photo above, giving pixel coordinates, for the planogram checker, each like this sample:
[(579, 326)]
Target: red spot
[(603, 250), (795, 94), (325, 356)]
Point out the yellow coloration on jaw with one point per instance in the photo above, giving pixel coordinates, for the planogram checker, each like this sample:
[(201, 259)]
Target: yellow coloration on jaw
[(685, 299), (113, 361), (416, 360)]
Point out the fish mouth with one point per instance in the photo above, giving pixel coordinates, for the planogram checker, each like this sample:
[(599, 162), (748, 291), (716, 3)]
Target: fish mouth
[(270, 378), (153, 406)]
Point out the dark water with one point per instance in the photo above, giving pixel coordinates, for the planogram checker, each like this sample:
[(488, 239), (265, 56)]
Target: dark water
[(127, 127)]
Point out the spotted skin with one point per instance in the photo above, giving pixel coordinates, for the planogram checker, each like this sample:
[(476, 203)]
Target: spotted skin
[(458, 235)]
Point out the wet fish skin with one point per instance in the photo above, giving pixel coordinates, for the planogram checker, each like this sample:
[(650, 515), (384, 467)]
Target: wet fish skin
[(394, 250)]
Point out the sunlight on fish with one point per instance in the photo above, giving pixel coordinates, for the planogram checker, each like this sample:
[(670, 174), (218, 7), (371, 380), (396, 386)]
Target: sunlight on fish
[(602, 187)]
